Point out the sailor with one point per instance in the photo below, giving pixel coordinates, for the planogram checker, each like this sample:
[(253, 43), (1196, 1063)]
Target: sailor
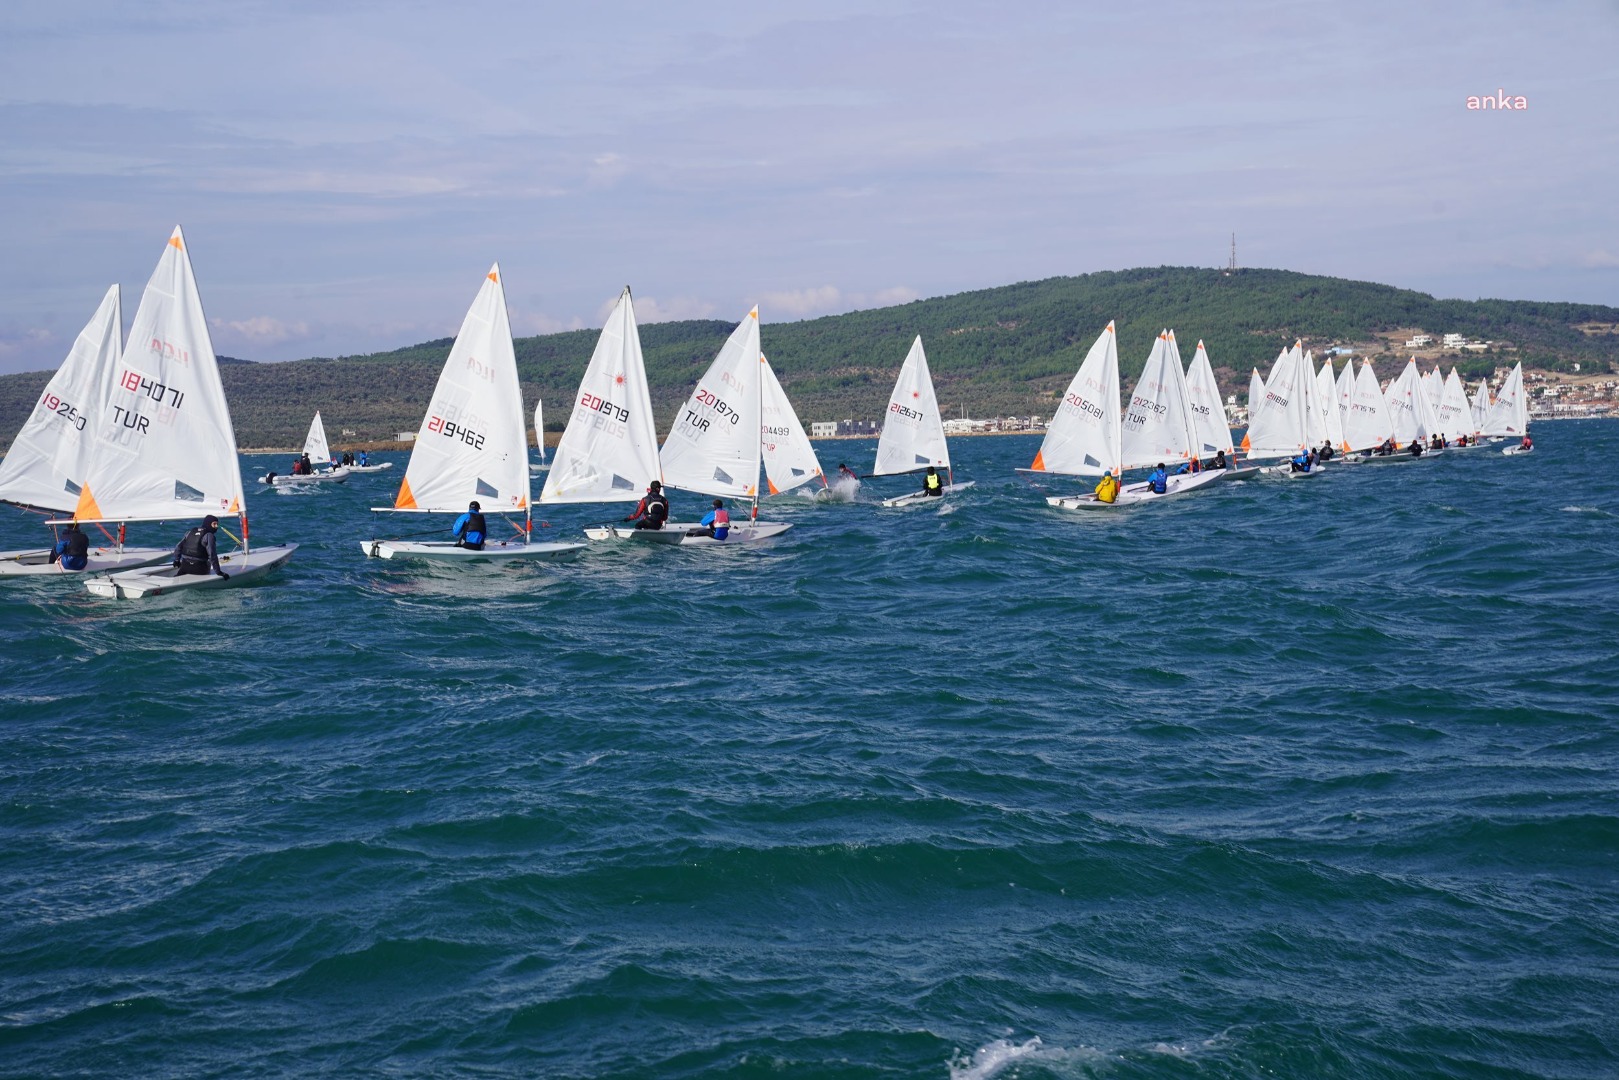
[(715, 523), (304, 465), (1301, 463), (1326, 452), (932, 485), (72, 550), (846, 473), (1416, 448), (653, 509), (197, 552), (1159, 480), (1528, 443), (1107, 488), (470, 528), (365, 458), (1219, 460)]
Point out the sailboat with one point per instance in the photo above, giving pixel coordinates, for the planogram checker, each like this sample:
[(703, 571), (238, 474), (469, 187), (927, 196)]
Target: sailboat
[(539, 436), (472, 445), (1208, 415), (1281, 427), (1411, 414), (609, 448), (45, 467), (715, 446), (319, 454), (1509, 416), (1455, 413), (912, 438), (163, 448), (1326, 402), (789, 459), (1367, 424), (1482, 403)]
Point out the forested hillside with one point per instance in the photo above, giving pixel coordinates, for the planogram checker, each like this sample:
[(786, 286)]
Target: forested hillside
[(1003, 351)]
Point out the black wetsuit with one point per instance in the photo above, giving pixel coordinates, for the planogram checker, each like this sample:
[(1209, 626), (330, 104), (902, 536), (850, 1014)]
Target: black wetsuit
[(197, 553)]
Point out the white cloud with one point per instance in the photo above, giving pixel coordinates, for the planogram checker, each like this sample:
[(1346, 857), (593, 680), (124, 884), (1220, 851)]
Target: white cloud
[(1600, 260), (28, 341), (260, 330), (801, 302), (541, 323)]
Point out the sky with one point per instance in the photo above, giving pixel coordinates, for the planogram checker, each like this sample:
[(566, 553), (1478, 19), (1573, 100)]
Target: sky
[(346, 173)]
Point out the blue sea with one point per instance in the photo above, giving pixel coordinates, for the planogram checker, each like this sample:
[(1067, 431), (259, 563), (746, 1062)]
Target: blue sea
[(1286, 779)]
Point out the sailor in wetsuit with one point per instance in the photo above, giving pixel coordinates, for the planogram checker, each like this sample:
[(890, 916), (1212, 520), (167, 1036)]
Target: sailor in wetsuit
[(470, 529), (197, 551), (716, 523), (72, 551), (1159, 479), (653, 509), (932, 483)]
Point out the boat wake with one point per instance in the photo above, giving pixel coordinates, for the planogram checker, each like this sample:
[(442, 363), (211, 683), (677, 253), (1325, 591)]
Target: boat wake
[(993, 1058)]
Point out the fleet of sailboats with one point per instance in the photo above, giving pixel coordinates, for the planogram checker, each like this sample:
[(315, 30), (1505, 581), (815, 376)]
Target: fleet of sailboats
[(145, 435)]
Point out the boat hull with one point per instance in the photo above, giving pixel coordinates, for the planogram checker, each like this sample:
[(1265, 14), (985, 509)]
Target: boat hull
[(336, 476), (446, 551), (915, 497), (153, 581), (1138, 494), (369, 468), (674, 534), (1513, 451), (103, 560), (1287, 472)]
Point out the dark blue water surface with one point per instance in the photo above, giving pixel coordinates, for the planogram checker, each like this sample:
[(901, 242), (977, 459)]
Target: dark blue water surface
[(1295, 779)]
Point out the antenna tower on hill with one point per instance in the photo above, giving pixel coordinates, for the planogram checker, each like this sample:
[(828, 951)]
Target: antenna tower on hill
[(1232, 265)]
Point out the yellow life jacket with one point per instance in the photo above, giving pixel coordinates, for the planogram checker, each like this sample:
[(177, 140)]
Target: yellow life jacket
[(1107, 490)]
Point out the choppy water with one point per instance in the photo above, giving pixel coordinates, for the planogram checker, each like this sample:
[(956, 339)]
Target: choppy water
[(1298, 779)]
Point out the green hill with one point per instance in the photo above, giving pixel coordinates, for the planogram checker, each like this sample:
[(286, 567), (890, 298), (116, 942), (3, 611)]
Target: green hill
[(1002, 351)]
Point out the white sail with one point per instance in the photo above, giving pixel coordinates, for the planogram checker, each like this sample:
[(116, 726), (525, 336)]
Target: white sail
[(162, 442), (788, 456), (472, 445), (539, 428), (49, 458), (1157, 423), (1366, 421), (1315, 414), (1454, 411), (1509, 415), (714, 446), (1410, 415), (1208, 415), (1433, 384), (1256, 395), (1327, 399), (315, 442), (1481, 405), (1346, 385), (1085, 435), (609, 450), (913, 431), (1280, 428)]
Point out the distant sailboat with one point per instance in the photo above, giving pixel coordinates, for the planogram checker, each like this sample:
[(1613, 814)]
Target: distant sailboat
[(472, 445), (1509, 416), (912, 439), (1410, 412), (1208, 415), (50, 457), (319, 454), (164, 448)]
